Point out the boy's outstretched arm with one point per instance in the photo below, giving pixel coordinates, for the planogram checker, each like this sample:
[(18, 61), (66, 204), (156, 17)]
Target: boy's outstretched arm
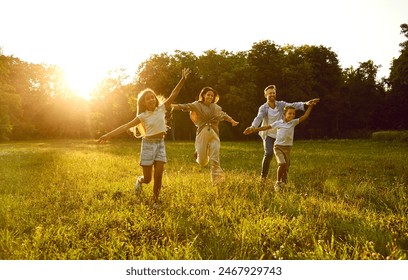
[(307, 113), (313, 101), (176, 90)]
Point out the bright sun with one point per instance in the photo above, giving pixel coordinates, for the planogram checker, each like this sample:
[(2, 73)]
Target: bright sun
[(83, 80)]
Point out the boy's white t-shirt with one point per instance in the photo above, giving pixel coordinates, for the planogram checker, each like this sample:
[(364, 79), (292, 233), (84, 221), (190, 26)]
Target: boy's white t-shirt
[(285, 132), (154, 121)]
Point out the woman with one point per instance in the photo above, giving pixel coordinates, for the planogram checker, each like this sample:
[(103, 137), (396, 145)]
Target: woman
[(206, 115)]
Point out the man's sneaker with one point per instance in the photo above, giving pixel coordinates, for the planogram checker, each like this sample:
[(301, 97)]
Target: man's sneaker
[(138, 186), (278, 185)]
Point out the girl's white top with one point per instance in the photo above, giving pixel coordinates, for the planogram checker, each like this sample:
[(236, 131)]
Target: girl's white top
[(154, 122)]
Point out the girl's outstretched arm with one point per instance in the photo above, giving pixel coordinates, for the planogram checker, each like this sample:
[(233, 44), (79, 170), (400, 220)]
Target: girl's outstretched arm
[(176, 90), (118, 130)]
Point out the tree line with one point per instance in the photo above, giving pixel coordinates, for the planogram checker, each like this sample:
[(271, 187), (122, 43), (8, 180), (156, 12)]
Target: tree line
[(36, 102)]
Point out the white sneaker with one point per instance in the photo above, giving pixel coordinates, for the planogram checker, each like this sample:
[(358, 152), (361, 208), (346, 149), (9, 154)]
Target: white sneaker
[(138, 186)]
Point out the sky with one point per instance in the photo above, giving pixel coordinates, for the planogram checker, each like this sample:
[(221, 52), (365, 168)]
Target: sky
[(88, 38)]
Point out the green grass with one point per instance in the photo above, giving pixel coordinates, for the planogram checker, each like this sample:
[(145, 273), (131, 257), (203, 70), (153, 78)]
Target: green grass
[(346, 199)]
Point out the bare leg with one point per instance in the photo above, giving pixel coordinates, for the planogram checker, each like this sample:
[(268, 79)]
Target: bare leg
[(158, 177), (147, 174)]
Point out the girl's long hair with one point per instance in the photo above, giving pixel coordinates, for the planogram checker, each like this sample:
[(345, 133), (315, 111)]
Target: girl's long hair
[(139, 130), (141, 104)]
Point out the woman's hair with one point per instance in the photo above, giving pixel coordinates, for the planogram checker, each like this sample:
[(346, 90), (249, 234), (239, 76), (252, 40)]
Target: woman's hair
[(205, 90)]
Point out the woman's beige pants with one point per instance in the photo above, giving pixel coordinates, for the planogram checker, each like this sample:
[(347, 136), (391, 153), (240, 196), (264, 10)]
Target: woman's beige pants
[(207, 145)]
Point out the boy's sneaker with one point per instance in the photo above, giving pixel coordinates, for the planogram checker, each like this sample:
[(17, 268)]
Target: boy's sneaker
[(138, 186)]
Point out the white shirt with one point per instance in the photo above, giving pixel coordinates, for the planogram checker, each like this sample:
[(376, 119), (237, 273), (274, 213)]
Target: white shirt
[(154, 121), (273, 116), (285, 132)]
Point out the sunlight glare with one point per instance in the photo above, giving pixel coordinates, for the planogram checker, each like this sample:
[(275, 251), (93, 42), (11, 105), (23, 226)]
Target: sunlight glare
[(83, 80)]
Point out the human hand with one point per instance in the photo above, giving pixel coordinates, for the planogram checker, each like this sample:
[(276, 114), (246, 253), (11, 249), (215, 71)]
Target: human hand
[(248, 130), (312, 102), (234, 123), (185, 72), (102, 139)]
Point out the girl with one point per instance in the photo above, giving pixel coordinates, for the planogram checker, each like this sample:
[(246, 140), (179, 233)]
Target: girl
[(206, 115), (150, 120)]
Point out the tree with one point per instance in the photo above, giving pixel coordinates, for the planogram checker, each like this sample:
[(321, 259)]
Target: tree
[(398, 80), (364, 97), (10, 102), (309, 72), (111, 103), (266, 60)]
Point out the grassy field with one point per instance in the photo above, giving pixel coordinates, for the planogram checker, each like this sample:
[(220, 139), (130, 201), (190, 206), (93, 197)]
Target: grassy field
[(74, 200)]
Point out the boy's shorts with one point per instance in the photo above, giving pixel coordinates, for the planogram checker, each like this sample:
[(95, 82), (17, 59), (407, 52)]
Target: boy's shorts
[(282, 154), (151, 151)]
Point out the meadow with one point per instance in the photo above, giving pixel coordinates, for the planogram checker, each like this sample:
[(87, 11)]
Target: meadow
[(74, 200)]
